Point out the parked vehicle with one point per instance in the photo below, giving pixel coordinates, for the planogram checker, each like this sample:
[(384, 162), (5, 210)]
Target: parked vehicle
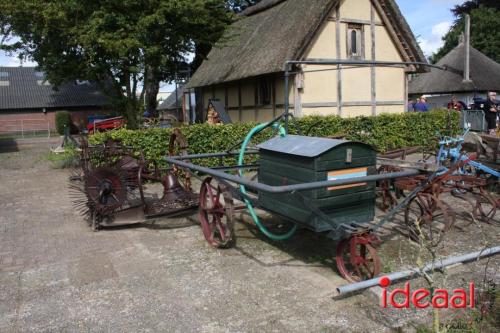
[(105, 124)]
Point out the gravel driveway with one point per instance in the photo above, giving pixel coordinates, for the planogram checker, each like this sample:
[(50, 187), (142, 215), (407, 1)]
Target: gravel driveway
[(56, 275)]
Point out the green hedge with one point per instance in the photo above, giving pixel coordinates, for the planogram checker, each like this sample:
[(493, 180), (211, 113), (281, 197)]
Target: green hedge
[(63, 119), (385, 132)]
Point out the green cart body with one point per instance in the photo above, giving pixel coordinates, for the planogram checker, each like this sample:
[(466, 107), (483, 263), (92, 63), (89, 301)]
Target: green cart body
[(297, 159)]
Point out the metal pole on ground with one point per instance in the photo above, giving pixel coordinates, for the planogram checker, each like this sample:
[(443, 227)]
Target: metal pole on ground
[(410, 273)]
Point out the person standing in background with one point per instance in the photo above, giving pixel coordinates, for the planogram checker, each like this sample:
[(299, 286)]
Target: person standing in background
[(411, 106), (491, 109), (421, 105), (454, 104)]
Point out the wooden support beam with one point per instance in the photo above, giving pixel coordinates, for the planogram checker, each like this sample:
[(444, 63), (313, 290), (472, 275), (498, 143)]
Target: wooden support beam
[(339, 56), (373, 71)]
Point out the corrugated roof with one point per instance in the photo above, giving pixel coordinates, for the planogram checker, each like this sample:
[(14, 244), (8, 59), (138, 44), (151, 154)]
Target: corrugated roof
[(484, 73), (27, 89), (298, 145), (273, 31)]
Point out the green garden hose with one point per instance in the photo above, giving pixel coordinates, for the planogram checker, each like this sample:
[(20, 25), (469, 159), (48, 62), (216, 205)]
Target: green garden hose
[(243, 190)]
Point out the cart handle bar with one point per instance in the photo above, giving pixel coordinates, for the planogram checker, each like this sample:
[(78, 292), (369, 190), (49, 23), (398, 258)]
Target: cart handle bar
[(290, 188)]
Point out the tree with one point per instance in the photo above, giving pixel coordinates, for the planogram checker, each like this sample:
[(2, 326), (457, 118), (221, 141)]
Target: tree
[(485, 28), (119, 44)]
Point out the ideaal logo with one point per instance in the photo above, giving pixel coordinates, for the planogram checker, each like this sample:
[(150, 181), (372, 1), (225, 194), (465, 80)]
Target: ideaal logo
[(421, 298)]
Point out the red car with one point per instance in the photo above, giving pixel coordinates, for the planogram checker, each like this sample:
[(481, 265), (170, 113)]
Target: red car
[(105, 124)]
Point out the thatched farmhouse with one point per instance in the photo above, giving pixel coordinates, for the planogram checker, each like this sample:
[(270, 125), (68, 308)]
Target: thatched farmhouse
[(441, 85), (246, 72)]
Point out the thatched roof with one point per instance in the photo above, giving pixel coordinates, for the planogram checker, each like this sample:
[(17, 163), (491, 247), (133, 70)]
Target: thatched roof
[(484, 73), (273, 31)]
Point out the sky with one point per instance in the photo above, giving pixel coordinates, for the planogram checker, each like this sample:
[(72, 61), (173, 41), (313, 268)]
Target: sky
[(429, 20)]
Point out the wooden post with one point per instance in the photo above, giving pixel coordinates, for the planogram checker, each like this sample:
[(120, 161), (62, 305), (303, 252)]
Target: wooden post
[(240, 115), (273, 95), (339, 56), (373, 70), (467, 49)]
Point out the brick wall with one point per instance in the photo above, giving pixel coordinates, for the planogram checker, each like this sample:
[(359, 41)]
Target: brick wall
[(39, 121), (26, 121)]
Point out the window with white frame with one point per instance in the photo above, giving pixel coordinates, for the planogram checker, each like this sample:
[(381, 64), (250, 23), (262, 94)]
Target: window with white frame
[(355, 41)]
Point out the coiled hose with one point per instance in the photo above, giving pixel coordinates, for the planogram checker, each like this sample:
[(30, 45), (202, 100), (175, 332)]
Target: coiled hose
[(243, 190)]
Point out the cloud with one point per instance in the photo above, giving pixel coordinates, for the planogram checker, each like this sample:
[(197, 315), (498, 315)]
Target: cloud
[(13, 61), (435, 40)]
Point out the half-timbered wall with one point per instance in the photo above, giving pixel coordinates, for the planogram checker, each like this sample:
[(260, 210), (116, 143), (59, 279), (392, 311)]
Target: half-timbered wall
[(329, 90)]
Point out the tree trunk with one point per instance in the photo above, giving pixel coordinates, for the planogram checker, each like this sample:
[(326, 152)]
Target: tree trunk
[(151, 86), (130, 113)]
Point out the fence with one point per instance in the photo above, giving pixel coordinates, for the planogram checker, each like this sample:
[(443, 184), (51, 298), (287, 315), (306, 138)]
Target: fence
[(26, 128), (475, 118)]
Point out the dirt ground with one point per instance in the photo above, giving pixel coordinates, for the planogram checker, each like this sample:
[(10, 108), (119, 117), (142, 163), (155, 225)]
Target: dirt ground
[(56, 275)]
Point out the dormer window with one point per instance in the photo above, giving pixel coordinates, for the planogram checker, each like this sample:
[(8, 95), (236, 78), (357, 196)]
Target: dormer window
[(355, 41)]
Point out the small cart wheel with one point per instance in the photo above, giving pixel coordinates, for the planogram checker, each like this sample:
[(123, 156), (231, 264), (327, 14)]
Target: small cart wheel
[(485, 208), (216, 214), (421, 217), (357, 260), (178, 145)]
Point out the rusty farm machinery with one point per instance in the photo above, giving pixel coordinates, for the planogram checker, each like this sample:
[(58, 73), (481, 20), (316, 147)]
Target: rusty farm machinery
[(324, 185), (327, 186), (109, 187)]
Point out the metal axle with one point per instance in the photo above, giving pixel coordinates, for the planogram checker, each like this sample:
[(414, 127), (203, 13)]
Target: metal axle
[(289, 188)]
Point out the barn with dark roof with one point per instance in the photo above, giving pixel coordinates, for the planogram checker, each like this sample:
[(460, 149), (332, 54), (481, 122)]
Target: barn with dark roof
[(245, 71), (29, 102)]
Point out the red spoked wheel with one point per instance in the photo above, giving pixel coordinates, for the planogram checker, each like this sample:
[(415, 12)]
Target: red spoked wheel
[(216, 213), (485, 208), (357, 259)]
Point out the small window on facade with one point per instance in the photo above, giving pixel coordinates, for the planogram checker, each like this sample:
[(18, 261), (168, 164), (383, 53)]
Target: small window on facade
[(4, 83), (264, 91), (355, 43), (4, 74), (39, 75)]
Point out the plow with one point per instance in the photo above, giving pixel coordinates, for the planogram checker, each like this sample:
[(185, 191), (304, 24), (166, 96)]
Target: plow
[(327, 186), (109, 187)]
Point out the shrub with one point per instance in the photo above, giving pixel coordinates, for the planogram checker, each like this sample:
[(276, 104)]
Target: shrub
[(63, 119), (70, 158), (384, 132)]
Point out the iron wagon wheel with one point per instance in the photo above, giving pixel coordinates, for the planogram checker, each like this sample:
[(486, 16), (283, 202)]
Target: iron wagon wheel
[(421, 215), (216, 213), (485, 208), (178, 145), (357, 259)]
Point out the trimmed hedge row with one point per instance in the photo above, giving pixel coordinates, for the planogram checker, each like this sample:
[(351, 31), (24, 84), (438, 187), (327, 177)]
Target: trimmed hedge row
[(62, 120), (385, 132)]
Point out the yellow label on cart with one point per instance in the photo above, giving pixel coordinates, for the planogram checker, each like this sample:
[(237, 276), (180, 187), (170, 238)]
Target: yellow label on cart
[(347, 174)]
